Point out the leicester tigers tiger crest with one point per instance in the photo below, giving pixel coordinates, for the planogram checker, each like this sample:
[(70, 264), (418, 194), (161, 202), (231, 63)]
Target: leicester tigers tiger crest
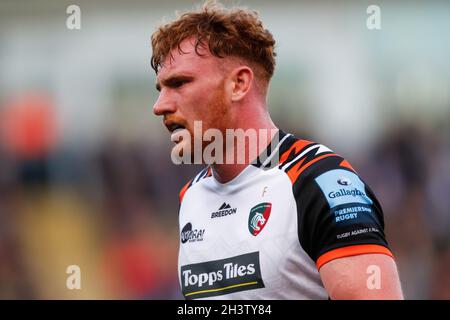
[(258, 217)]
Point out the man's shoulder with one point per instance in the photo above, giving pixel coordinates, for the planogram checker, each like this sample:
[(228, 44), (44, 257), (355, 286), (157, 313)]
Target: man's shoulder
[(204, 173), (303, 159)]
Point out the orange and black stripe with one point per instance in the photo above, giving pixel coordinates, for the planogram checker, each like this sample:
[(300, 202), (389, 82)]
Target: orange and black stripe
[(349, 251), (301, 155)]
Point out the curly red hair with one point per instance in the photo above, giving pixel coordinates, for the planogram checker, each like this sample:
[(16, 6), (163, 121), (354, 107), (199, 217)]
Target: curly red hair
[(236, 32)]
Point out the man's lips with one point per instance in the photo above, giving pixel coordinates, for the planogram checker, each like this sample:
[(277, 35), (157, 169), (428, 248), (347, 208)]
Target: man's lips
[(172, 126)]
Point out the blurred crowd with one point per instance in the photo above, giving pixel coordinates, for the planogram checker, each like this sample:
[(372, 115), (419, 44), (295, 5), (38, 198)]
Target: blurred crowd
[(409, 169), (112, 210)]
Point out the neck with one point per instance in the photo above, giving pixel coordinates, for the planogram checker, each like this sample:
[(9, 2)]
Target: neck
[(265, 131)]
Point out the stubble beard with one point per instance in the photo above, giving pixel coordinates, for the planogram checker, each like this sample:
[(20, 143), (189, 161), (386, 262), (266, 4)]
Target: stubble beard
[(218, 117)]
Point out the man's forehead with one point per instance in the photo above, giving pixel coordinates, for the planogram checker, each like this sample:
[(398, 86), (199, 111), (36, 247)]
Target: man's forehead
[(187, 59)]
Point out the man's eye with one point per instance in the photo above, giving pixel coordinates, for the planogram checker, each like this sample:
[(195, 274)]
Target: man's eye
[(177, 84)]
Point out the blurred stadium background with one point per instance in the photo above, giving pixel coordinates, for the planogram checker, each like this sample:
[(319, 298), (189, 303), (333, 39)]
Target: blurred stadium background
[(85, 170)]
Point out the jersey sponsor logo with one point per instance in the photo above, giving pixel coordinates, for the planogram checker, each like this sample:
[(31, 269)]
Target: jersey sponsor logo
[(258, 217), (191, 235), (343, 192), (350, 213), (224, 210), (343, 181), (342, 187), (219, 277)]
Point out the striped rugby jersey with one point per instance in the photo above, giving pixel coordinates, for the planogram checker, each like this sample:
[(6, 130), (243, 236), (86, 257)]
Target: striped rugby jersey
[(266, 233)]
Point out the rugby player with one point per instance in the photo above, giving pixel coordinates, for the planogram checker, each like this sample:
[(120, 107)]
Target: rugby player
[(305, 226)]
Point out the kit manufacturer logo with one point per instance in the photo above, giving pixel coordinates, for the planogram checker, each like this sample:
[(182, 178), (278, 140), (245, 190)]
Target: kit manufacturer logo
[(224, 210)]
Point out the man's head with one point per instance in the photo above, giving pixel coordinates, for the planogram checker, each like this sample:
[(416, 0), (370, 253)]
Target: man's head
[(213, 65), (226, 33)]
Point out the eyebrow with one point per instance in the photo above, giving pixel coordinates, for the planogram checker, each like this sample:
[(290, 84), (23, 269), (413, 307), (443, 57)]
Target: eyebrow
[(172, 80)]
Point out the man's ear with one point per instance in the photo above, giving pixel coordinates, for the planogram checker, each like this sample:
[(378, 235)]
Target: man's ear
[(242, 80)]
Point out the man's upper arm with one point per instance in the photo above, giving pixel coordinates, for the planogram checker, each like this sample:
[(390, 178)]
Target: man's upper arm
[(341, 226), (366, 276)]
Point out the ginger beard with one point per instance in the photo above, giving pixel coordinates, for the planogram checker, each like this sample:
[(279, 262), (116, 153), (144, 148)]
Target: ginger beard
[(216, 115)]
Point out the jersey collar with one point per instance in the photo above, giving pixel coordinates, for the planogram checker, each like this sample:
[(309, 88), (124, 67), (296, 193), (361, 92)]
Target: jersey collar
[(269, 158)]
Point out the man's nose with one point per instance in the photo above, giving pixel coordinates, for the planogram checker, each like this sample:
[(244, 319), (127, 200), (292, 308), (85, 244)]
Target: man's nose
[(164, 104)]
